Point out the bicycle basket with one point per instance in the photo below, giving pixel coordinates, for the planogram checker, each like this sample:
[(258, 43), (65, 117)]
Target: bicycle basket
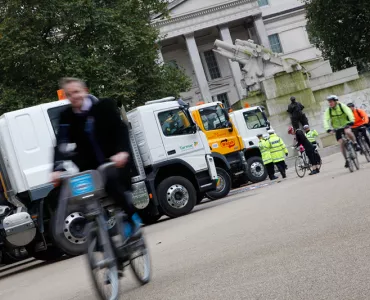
[(85, 186)]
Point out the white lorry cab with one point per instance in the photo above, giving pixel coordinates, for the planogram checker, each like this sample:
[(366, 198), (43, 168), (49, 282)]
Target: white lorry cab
[(250, 122), (172, 167)]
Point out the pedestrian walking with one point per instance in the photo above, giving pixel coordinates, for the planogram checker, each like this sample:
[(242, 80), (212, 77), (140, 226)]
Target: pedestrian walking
[(311, 135), (266, 156), (278, 151)]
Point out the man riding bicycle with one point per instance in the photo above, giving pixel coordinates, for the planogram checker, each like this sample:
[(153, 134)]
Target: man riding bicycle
[(339, 118), (100, 135), (361, 120)]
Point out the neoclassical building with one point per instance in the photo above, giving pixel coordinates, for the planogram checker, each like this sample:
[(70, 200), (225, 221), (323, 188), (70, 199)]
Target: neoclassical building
[(188, 36)]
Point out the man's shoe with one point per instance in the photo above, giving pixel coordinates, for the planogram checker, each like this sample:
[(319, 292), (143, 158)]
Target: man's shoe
[(313, 172), (284, 176), (346, 165), (274, 178), (358, 148)]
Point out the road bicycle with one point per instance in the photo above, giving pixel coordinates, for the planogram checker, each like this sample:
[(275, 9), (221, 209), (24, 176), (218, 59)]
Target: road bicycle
[(302, 163), (365, 148), (108, 251)]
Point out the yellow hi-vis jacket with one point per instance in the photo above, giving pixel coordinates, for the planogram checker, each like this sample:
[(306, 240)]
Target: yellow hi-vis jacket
[(311, 135), (265, 151), (277, 148)]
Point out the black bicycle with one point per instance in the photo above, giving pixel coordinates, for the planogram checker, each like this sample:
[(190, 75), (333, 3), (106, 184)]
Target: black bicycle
[(365, 148), (350, 153), (108, 251), (302, 163)]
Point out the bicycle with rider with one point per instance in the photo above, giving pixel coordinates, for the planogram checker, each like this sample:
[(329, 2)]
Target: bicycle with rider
[(338, 119), (361, 120), (98, 132)]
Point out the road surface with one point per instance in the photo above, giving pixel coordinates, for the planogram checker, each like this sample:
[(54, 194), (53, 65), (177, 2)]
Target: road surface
[(298, 239)]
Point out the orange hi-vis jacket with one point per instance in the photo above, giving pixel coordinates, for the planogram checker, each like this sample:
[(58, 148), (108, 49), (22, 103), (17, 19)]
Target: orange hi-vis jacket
[(361, 117)]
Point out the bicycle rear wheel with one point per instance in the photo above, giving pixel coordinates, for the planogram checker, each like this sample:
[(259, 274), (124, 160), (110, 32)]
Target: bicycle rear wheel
[(102, 263), (140, 261), (365, 147), (300, 166)]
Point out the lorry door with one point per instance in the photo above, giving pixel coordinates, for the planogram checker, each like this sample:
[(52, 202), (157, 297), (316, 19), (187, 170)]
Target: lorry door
[(255, 122), (180, 140), (214, 123)]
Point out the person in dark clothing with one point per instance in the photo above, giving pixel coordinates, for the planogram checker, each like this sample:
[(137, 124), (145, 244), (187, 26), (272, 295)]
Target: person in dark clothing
[(100, 135), (295, 109), (301, 139)]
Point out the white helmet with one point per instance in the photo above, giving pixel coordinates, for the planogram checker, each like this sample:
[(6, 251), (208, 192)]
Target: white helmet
[(332, 97), (270, 131), (266, 136)]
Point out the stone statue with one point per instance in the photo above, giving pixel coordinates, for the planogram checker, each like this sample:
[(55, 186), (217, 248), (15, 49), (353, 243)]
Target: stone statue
[(258, 62)]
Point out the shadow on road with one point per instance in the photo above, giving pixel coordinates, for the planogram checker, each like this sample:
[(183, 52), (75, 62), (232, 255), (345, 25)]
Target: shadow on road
[(17, 268)]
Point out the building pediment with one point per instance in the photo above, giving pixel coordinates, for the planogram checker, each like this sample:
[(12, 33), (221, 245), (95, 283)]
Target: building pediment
[(187, 16)]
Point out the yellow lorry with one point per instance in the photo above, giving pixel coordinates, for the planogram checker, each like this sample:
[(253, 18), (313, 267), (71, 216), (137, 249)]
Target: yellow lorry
[(235, 164)]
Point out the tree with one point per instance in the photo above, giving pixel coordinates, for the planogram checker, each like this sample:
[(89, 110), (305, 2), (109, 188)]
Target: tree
[(109, 43), (340, 29)]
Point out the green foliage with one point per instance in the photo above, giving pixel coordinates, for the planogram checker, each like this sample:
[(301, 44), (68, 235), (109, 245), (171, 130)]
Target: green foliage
[(108, 43), (340, 29)]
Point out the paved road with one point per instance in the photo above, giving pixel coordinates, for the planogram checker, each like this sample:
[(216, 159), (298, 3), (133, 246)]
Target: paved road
[(298, 239)]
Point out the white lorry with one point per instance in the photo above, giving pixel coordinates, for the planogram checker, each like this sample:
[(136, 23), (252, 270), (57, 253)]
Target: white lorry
[(173, 164)]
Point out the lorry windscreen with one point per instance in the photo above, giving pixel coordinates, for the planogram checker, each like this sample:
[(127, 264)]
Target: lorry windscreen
[(54, 116), (254, 119), (213, 118)]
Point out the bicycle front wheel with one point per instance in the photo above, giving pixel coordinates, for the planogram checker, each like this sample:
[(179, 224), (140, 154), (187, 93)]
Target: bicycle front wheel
[(349, 157), (365, 147), (102, 263), (140, 261), (300, 166)]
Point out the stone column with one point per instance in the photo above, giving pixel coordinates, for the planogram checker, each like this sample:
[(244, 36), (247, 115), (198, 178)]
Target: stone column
[(198, 67), (234, 66), (261, 32)]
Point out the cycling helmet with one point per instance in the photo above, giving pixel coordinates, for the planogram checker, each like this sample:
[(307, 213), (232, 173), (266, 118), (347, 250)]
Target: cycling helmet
[(270, 131), (350, 105), (306, 127), (290, 130), (265, 136), (332, 97)]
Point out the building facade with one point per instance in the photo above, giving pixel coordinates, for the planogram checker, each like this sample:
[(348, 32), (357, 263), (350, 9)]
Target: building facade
[(188, 36)]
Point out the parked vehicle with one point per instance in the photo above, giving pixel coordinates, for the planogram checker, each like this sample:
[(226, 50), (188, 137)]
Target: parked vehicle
[(235, 163), (173, 164)]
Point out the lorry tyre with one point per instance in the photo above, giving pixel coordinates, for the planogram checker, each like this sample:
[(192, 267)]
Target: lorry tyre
[(256, 169), (73, 241), (176, 196), (149, 219), (223, 185)]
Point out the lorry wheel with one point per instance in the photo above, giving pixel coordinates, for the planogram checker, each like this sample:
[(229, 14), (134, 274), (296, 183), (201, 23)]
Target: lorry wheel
[(73, 241), (223, 185), (256, 170), (149, 219), (176, 196)]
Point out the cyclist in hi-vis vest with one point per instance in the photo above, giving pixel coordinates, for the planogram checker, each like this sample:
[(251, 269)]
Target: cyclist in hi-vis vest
[(266, 156), (339, 117), (278, 151), (311, 135)]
